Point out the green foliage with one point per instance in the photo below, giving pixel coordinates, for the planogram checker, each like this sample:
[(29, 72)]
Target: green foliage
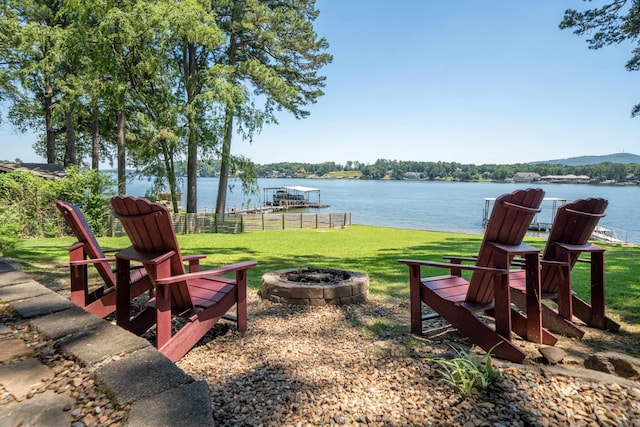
[(27, 200), (451, 171), (9, 229), (612, 23), (467, 371), (90, 190)]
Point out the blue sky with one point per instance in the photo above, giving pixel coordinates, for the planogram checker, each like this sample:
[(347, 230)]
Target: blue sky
[(467, 81)]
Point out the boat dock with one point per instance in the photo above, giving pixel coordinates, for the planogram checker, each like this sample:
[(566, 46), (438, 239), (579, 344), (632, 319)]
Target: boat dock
[(295, 196), (277, 199), (542, 221)]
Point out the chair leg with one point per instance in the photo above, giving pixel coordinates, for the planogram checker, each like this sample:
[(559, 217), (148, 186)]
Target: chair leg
[(550, 319), (474, 328), (163, 316), (520, 327), (583, 311), (597, 290), (533, 298), (594, 314), (480, 334), (564, 301), (241, 298), (415, 299)]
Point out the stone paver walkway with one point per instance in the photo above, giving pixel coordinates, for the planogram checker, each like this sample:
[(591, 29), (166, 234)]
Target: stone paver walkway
[(129, 367)]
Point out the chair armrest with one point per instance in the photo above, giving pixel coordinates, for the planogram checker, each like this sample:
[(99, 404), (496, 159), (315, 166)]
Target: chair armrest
[(239, 266), (520, 249), (518, 262), (553, 262), (190, 258), (460, 259), (587, 247), (447, 265), (194, 262), (111, 251), (91, 261), (131, 254)]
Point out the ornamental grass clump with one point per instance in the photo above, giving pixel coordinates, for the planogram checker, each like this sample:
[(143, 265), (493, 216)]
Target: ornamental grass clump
[(467, 371)]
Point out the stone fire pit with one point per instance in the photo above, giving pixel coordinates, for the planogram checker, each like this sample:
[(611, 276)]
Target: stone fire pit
[(315, 286)]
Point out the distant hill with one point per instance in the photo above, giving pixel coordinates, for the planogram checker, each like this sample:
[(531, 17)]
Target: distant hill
[(592, 160)]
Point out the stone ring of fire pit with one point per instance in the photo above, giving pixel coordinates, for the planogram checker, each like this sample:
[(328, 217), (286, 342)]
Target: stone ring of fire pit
[(315, 286)]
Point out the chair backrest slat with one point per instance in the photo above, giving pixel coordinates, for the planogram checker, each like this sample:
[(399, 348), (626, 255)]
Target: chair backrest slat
[(77, 222), (573, 224), (510, 219), (151, 231)]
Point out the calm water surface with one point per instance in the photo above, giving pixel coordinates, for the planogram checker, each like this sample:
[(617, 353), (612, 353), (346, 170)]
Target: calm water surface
[(425, 205)]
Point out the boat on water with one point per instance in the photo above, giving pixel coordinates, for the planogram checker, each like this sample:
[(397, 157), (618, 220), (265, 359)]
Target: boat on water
[(606, 234)]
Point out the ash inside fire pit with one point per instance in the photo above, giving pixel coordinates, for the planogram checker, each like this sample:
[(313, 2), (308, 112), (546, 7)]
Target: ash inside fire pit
[(321, 275), (315, 286)]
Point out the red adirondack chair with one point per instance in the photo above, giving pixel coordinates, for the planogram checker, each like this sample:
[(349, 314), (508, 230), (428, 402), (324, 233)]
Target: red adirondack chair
[(100, 301), (572, 227), (200, 298), (459, 300)]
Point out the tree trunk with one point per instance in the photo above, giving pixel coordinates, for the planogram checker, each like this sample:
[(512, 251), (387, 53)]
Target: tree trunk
[(169, 165), (70, 153), (192, 168), (171, 177), (228, 131), (192, 143), (48, 122), (122, 186), (224, 164), (95, 139)]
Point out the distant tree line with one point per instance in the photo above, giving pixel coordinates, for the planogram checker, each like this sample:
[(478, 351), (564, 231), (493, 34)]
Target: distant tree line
[(491, 172), (431, 171)]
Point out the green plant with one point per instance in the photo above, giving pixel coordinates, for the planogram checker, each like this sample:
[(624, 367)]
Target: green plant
[(9, 229), (26, 195), (467, 371), (89, 189), (29, 199)]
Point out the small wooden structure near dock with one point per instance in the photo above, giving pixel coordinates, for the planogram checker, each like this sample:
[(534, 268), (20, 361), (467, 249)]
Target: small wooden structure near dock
[(295, 196), (541, 222)]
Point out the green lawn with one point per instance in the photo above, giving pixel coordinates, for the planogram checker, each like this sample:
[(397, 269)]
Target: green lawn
[(371, 250)]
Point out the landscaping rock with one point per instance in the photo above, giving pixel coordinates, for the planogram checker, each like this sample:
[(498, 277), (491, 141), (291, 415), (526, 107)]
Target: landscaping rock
[(614, 363), (552, 355)]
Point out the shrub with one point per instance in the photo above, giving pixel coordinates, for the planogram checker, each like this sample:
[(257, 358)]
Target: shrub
[(27, 200), (26, 195), (90, 190), (467, 371), (9, 229)]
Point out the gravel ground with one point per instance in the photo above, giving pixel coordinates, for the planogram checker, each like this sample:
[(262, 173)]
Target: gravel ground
[(354, 365), (91, 406), (357, 365)]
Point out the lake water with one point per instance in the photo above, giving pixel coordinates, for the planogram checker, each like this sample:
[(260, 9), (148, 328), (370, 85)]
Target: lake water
[(425, 205)]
